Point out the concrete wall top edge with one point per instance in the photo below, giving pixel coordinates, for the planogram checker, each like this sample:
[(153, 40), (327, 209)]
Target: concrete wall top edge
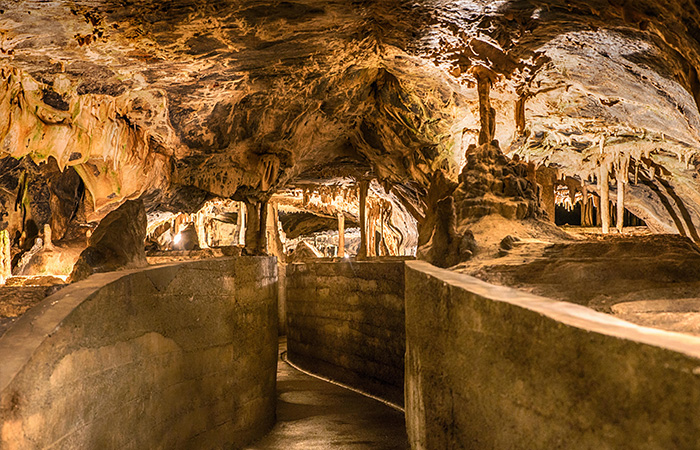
[(567, 313), (24, 337)]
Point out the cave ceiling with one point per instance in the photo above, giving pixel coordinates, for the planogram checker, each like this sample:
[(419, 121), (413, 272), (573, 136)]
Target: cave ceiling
[(178, 101)]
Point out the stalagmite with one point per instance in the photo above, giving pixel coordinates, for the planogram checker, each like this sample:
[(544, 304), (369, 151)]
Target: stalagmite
[(341, 235), (364, 187), (372, 230), (5, 256), (241, 223), (545, 178), (48, 244), (621, 181), (604, 189), (585, 207)]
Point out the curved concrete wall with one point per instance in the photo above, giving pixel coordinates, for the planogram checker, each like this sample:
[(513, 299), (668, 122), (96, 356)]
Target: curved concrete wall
[(493, 368), (345, 320), (181, 356)]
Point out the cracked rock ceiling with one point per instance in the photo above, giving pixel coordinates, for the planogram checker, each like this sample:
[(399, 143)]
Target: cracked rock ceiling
[(178, 100)]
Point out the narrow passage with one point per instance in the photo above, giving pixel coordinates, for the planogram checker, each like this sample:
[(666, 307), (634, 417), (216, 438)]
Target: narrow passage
[(313, 414)]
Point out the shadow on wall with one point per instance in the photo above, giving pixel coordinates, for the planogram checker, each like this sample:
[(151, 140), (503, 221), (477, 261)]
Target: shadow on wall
[(175, 356)]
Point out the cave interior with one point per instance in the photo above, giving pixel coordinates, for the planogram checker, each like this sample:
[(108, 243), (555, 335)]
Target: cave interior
[(552, 146)]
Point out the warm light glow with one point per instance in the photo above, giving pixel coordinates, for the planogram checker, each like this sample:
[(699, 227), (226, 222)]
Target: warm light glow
[(177, 238)]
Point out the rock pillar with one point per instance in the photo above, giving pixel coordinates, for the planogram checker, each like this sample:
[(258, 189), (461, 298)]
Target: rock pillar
[(545, 178), (241, 223), (5, 256), (604, 189), (364, 189), (621, 182), (341, 235), (487, 114)]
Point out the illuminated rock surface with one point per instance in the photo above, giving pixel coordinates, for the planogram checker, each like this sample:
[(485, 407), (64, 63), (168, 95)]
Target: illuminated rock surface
[(285, 109)]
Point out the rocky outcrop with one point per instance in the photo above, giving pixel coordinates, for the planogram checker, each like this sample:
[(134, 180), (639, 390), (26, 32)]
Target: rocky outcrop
[(117, 243), (447, 247), (304, 251), (490, 183)]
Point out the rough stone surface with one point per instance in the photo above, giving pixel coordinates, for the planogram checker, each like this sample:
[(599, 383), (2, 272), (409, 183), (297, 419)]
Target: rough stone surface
[(117, 243), (345, 320), (489, 367), (490, 183), (180, 101), (180, 357)]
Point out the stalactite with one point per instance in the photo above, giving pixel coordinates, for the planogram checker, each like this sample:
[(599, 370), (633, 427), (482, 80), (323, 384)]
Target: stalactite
[(520, 121), (487, 114)]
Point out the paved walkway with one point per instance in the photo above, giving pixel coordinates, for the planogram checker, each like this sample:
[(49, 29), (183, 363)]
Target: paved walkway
[(313, 415)]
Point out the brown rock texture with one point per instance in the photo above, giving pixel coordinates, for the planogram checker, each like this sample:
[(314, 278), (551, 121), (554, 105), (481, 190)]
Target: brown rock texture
[(490, 183), (117, 243), (179, 102)]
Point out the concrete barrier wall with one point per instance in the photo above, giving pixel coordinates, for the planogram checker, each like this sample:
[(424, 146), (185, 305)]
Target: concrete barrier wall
[(181, 356), (493, 368), (345, 320)]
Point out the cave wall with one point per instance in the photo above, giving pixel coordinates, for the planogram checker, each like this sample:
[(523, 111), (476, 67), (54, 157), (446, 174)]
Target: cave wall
[(491, 367), (176, 356), (345, 320)]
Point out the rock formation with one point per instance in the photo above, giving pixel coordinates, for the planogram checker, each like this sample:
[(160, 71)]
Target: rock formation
[(490, 183), (117, 243), (179, 103)]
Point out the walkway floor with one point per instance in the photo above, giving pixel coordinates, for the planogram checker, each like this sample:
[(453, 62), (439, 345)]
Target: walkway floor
[(315, 415)]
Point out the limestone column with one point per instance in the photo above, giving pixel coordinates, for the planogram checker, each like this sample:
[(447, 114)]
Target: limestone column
[(274, 241), (341, 235), (262, 229), (545, 178), (5, 256), (372, 232), (252, 229), (621, 181), (241, 223), (604, 189), (364, 188), (584, 205), (487, 114)]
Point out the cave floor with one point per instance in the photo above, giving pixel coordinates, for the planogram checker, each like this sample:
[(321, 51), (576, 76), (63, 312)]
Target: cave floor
[(651, 280), (313, 414)]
